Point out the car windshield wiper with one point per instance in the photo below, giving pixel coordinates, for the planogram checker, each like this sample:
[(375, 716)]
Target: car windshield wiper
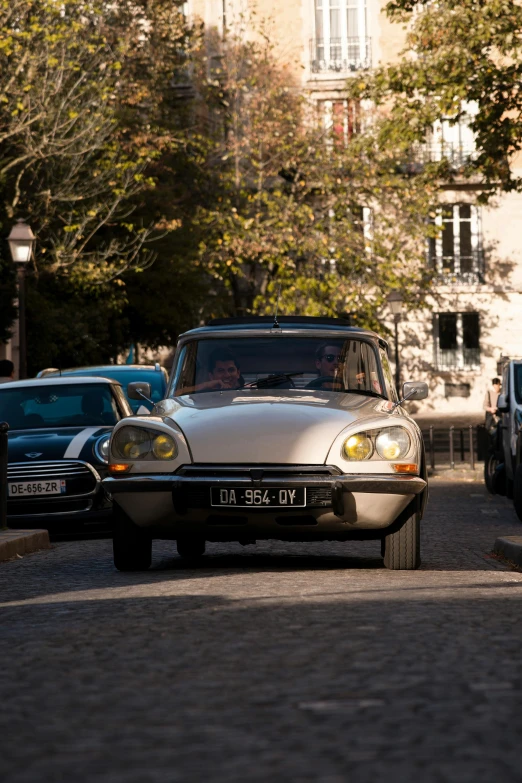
[(270, 380)]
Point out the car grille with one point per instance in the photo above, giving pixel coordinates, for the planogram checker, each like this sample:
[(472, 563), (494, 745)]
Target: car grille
[(81, 479), (269, 472)]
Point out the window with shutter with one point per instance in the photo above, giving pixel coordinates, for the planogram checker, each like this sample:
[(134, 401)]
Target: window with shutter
[(457, 341), (456, 253)]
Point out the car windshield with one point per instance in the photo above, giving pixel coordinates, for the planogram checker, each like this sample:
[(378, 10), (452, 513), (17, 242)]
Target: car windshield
[(78, 405), (158, 383), (328, 364)]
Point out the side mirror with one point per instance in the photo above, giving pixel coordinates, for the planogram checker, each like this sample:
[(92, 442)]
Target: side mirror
[(502, 404), (139, 390), (415, 390)]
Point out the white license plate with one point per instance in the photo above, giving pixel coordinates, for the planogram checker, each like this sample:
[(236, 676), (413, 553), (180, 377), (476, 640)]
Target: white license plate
[(33, 488)]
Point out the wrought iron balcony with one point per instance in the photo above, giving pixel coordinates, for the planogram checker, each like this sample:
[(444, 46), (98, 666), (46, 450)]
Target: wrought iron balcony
[(464, 270), (456, 155), (339, 55), (457, 359)]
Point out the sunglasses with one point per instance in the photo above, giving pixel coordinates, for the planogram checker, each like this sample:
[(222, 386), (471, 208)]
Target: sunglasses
[(332, 357)]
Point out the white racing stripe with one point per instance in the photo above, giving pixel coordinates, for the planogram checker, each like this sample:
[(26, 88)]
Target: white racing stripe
[(78, 442)]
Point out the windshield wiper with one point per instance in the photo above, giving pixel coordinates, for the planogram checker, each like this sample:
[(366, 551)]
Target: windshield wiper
[(270, 380)]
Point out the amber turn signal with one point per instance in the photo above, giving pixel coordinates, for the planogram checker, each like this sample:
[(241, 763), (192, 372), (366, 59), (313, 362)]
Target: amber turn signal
[(116, 467), (407, 468)]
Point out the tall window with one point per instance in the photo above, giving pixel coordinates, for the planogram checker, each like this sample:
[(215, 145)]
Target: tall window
[(457, 341), (456, 253), (341, 119), (340, 42), (453, 141)]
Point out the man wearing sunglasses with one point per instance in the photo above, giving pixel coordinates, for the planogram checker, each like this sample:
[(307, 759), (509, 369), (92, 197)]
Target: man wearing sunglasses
[(330, 363), (327, 360)]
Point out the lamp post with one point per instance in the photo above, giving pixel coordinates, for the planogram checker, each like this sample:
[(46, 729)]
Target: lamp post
[(396, 302), (21, 244)]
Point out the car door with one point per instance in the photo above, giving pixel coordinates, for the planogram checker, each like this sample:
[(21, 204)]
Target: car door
[(507, 418)]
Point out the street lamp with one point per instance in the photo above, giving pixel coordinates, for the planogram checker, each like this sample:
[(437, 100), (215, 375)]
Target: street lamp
[(396, 303), (21, 244)]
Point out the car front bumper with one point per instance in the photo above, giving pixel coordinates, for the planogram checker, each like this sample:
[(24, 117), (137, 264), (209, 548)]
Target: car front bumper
[(336, 503)]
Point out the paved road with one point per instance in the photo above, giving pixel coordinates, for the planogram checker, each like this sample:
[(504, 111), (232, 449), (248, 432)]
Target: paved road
[(288, 662)]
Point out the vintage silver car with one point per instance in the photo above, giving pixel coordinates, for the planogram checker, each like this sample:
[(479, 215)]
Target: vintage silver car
[(288, 430)]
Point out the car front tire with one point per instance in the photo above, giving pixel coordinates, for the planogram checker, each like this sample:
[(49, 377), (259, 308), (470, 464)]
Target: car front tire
[(132, 546), (401, 549), (490, 466)]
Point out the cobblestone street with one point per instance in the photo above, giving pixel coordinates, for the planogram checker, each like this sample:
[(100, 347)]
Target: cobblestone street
[(296, 662)]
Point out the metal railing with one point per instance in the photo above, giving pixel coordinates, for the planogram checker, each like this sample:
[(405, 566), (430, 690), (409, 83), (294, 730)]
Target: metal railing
[(457, 359), (340, 55), (456, 155), (454, 447)]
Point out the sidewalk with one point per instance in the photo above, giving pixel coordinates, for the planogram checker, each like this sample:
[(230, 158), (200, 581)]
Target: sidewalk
[(509, 548), (22, 542)]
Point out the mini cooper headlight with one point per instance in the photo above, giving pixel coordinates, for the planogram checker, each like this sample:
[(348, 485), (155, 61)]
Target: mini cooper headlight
[(393, 443), (358, 447), (131, 443), (101, 448), (164, 447)]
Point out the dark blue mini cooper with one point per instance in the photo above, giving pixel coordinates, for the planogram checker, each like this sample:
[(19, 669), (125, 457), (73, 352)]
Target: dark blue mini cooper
[(59, 431)]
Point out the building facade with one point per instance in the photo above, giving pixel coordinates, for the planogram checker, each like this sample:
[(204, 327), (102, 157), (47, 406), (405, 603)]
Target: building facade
[(474, 313)]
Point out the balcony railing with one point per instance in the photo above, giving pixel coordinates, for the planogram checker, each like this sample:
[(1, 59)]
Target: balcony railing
[(457, 358), (465, 270), (456, 154), (339, 55)]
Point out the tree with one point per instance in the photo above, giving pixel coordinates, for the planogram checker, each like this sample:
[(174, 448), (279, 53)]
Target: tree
[(59, 161), (76, 156), (457, 52), (284, 202)]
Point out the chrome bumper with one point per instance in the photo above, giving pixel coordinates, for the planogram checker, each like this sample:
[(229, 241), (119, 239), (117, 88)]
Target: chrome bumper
[(381, 484)]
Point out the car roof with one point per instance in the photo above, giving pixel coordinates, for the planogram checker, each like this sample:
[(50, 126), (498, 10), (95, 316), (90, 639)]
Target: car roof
[(54, 380), (284, 322), (110, 368)]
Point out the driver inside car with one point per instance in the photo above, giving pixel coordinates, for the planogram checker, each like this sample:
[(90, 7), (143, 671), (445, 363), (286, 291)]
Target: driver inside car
[(329, 362)]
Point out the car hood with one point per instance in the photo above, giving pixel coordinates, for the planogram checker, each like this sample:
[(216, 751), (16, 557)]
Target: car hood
[(53, 444), (294, 427)]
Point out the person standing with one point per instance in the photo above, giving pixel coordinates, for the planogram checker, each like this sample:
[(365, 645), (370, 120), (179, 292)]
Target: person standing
[(6, 371), (490, 403)]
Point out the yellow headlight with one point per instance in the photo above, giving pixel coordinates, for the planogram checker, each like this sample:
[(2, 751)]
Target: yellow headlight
[(131, 443), (164, 447), (358, 447)]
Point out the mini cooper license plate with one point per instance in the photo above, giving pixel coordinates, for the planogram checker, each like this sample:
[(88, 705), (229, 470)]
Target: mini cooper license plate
[(271, 497), (25, 489)]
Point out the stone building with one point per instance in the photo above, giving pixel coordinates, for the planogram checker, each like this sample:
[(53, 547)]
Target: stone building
[(476, 308)]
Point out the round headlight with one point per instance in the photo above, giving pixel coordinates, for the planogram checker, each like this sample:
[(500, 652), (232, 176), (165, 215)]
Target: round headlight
[(357, 447), (131, 443), (101, 448), (393, 443), (164, 447)]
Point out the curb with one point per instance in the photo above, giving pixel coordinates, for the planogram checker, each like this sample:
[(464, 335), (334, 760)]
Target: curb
[(22, 542), (510, 548)]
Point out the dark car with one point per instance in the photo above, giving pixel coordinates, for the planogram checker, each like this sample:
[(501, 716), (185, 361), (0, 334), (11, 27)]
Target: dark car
[(153, 374), (59, 431)]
